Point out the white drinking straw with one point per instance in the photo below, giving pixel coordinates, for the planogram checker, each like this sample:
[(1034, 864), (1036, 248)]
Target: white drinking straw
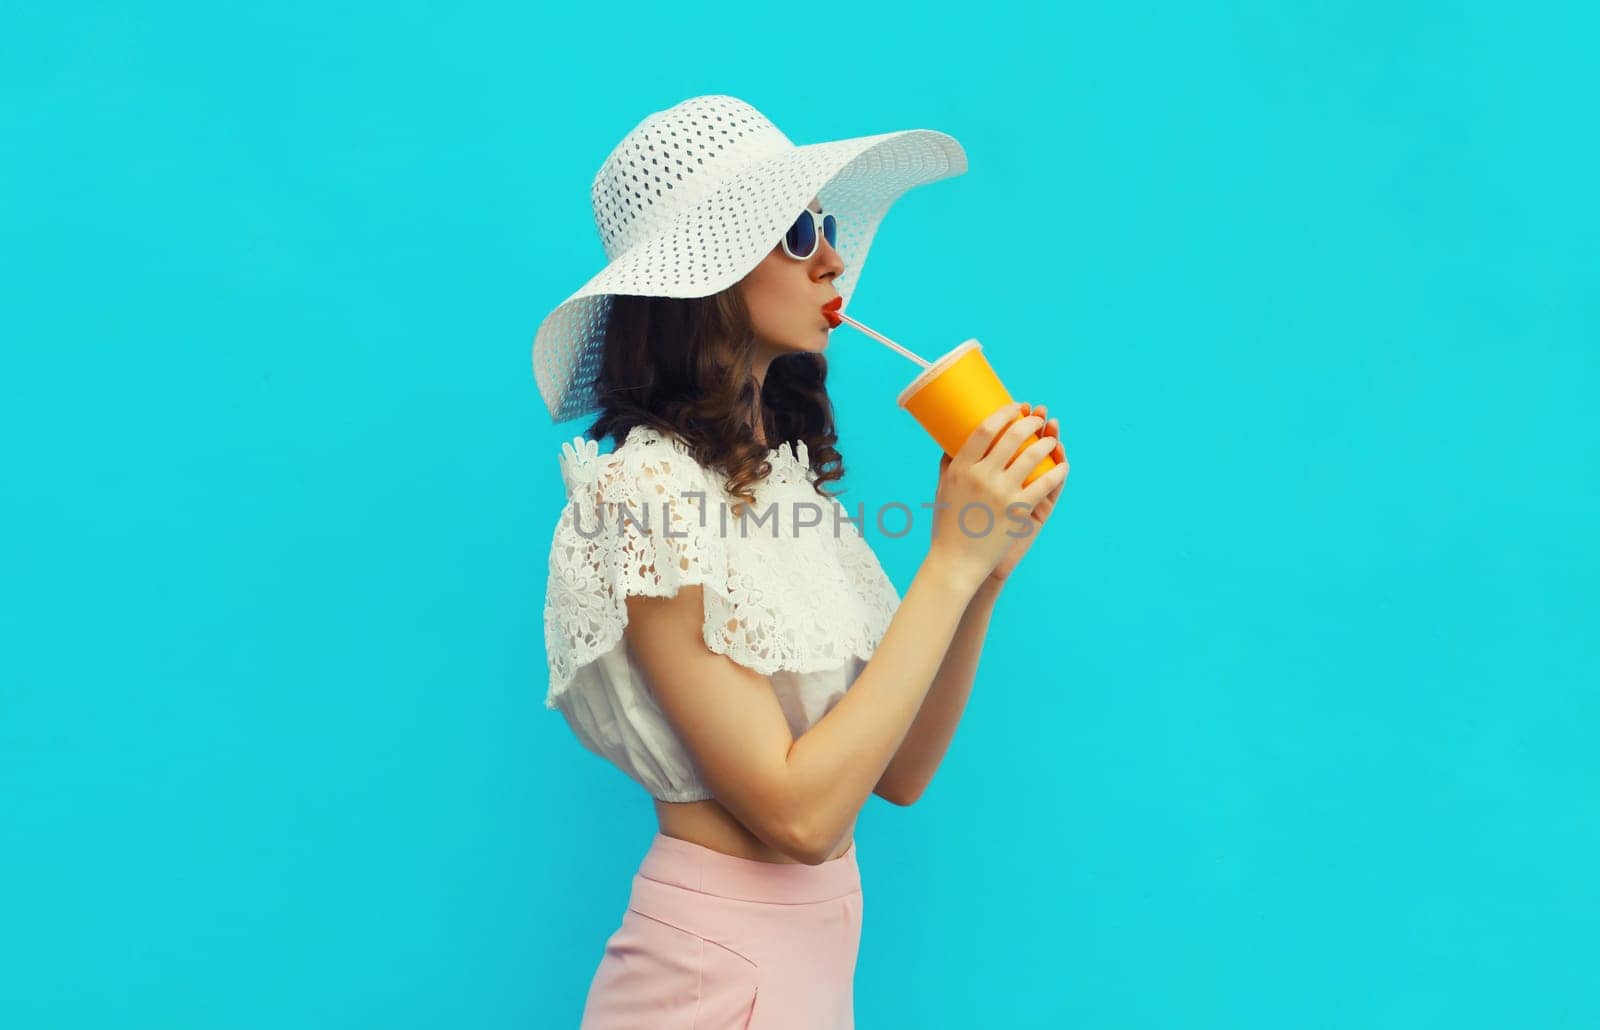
[(881, 338)]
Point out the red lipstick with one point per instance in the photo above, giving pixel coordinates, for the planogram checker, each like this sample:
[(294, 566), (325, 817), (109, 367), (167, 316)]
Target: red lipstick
[(830, 311)]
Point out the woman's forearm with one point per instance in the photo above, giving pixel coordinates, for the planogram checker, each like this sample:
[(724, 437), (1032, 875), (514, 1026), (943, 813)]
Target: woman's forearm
[(925, 744), (834, 766)]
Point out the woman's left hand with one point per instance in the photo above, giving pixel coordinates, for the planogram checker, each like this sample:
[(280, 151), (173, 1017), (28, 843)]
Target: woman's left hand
[(1041, 511)]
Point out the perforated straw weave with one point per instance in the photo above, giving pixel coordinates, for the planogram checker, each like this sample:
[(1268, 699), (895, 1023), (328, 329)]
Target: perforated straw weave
[(695, 196)]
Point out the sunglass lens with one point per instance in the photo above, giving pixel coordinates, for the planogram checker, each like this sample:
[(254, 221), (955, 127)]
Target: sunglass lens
[(830, 229), (802, 236)]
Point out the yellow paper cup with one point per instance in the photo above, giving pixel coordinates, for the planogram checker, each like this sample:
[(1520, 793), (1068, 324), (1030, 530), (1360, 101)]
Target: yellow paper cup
[(952, 396)]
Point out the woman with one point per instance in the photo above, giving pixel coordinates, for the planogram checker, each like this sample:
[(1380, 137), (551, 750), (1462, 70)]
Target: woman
[(760, 684)]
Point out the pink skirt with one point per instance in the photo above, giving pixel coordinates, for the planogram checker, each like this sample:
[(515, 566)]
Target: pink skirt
[(714, 942)]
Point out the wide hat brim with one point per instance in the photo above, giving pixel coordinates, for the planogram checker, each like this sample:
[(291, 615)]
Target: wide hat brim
[(744, 215)]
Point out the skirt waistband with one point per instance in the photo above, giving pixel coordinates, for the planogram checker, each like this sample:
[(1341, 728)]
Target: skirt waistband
[(695, 867)]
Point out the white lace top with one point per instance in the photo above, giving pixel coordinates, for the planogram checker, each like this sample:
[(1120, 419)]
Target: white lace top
[(790, 588)]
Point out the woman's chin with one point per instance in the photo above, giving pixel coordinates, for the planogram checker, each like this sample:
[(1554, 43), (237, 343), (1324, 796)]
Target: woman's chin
[(813, 345)]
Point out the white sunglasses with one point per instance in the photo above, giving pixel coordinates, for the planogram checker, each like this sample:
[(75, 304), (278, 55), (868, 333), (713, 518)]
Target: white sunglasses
[(800, 242)]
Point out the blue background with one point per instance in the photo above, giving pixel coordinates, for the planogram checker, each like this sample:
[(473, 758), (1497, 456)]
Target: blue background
[(1288, 720)]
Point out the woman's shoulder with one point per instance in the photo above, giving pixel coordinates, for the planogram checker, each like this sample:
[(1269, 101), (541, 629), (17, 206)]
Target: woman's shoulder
[(654, 464), (644, 453)]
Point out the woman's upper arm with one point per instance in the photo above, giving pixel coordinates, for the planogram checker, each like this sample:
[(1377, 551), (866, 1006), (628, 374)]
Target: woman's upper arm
[(727, 715)]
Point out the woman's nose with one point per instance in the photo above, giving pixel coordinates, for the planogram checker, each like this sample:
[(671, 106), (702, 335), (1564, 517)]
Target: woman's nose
[(828, 258)]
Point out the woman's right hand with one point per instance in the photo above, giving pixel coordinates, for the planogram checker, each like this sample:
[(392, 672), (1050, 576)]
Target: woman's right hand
[(974, 523)]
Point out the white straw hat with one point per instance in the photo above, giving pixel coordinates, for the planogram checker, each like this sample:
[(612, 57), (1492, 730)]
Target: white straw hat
[(695, 196)]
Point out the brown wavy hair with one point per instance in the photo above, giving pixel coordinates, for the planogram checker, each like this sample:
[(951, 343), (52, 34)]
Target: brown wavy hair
[(683, 366)]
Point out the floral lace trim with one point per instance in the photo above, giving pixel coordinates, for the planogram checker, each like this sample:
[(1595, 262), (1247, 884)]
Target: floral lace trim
[(581, 460), (805, 601)]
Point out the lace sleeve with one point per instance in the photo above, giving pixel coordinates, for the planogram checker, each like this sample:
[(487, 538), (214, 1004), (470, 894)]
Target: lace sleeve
[(648, 520), (633, 525)]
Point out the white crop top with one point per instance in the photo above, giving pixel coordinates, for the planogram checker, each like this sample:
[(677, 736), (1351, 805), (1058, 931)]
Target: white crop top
[(791, 590)]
